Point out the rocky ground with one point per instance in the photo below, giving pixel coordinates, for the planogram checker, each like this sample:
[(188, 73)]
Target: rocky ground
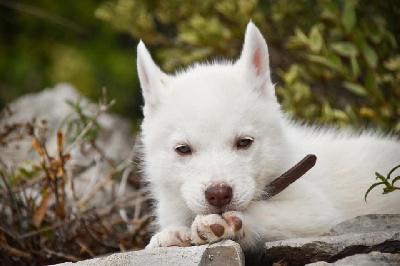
[(364, 240)]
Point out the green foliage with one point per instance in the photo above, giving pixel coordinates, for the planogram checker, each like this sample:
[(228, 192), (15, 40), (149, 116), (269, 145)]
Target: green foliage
[(45, 42), (338, 61), (389, 186), (350, 60), (183, 31)]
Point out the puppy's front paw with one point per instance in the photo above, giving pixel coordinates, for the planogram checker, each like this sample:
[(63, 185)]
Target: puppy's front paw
[(214, 227), (179, 236)]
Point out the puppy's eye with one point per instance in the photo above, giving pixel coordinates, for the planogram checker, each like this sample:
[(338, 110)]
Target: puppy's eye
[(183, 150), (244, 143)]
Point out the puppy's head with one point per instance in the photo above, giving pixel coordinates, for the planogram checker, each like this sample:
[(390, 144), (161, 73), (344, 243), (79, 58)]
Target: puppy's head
[(212, 134)]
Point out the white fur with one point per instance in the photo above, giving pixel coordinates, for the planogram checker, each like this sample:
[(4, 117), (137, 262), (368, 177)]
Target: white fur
[(209, 107)]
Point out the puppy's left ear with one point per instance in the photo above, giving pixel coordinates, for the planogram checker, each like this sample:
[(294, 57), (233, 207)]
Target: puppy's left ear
[(254, 60)]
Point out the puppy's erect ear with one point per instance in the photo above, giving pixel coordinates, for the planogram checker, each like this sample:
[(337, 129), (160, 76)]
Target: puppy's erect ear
[(254, 60), (152, 79)]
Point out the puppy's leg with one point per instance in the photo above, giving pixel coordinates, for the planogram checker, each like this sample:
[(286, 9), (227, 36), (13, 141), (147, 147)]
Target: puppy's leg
[(214, 227), (174, 225)]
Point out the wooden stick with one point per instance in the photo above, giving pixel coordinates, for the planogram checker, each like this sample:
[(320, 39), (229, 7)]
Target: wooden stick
[(289, 177)]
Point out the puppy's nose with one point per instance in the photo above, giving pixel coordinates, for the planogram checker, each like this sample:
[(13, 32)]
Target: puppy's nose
[(219, 195)]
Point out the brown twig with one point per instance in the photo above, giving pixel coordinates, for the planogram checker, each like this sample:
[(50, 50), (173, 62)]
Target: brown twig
[(6, 250), (102, 153), (289, 177), (97, 187), (61, 173), (85, 248), (103, 212), (59, 254), (46, 229)]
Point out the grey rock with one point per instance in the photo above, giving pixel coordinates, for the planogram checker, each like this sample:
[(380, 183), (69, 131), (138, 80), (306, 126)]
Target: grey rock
[(218, 254), (362, 234), (115, 140), (367, 224), (50, 105), (372, 259)]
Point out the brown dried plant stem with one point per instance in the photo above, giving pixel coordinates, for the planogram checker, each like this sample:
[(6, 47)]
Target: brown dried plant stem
[(104, 212), (97, 187), (6, 250), (76, 232)]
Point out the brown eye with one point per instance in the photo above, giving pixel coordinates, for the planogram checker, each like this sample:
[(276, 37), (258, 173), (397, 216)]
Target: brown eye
[(244, 143), (183, 150)]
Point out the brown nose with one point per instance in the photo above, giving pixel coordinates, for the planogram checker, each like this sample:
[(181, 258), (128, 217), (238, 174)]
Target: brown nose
[(219, 195)]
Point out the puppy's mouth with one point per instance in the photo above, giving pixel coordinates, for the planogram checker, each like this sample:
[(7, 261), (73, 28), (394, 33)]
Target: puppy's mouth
[(220, 210)]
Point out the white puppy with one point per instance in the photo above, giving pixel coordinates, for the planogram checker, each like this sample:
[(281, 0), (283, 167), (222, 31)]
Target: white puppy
[(214, 136)]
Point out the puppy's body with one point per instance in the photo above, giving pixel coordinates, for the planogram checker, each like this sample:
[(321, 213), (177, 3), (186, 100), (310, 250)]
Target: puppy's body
[(221, 125)]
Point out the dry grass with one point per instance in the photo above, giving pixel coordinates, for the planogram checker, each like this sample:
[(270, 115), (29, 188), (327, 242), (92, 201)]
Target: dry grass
[(40, 223)]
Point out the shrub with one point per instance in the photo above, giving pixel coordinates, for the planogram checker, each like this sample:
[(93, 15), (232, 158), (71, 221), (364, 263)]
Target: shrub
[(337, 61)]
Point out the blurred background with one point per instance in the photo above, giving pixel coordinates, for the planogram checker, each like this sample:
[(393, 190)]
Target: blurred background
[(333, 61)]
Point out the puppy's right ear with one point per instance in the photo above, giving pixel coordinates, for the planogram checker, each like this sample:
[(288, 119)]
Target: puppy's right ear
[(254, 60), (152, 79)]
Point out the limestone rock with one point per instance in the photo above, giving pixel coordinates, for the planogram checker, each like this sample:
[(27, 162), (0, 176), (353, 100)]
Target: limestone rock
[(372, 259), (115, 139), (362, 234), (219, 254)]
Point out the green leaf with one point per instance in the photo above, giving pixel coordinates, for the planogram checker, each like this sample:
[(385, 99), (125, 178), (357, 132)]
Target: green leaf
[(355, 88), (334, 60), (391, 171), (370, 84), (291, 75), (359, 38), (348, 16), (350, 113), (345, 48), (379, 176), (387, 190), (300, 35), (355, 69), (329, 11), (71, 103), (395, 179), (393, 63), (371, 188), (370, 56), (330, 60), (315, 39), (319, 59), (390, 37), (384, 180)]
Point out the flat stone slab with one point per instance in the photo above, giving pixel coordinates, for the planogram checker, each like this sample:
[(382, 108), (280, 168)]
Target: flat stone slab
[(364, 240), (362, 234), (223, 253)]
